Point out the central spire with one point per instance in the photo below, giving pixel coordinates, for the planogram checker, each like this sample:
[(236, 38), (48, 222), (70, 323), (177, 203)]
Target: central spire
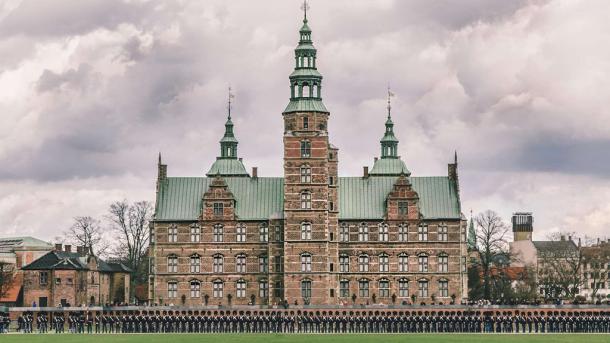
[(305, 80)]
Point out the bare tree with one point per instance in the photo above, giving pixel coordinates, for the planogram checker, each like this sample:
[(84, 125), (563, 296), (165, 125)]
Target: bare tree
[(596, 257), (130, 222), (559, 267), (493, 246), (88, 232), (7, 277)]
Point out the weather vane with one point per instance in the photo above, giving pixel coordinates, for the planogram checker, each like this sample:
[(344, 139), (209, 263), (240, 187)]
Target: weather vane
[(305, 7), (231, 96), (390, 95)]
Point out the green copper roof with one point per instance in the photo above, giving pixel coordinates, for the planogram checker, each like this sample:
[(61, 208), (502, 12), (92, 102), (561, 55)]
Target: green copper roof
[(305, 105), (389, 167), (262, 198), (305, 72), (227, 167), (364, 198), (10, 243), (257, 198)]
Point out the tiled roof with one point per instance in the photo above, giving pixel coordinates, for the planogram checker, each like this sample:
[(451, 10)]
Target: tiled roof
[(262, 198)]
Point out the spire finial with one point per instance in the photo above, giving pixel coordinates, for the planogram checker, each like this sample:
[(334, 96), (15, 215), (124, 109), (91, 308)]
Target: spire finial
[(305, 7), (159, 158), (231, 96), (390, 95), (455, 157)]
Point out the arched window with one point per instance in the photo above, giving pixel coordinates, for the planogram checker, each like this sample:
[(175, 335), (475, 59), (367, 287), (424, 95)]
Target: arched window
[(306, 90), (422, 288), (241, 288), (344, 263), (443, 263), (218, 234), (443, 288), (422, 260), (172, 264), (218, 263), (195, 265), (172, 289), (306, 289), (306, 231), (240, 263), (383, 232), (305, 149), (241, 232), (315, 91), (306, 262), (363, 288), (195, 289), (384, 288), (403, 262), (384, 263), (363, 263), (344, 288), (344, 233), (305, 200), (363, 232), (263, 232), (217, 288), (305, 173), (403, 232), (403, 288)]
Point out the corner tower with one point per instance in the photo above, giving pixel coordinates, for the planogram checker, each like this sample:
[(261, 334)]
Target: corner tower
[(310, 184)]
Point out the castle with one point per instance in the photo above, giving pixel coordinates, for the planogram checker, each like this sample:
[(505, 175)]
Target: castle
[(309, 237)]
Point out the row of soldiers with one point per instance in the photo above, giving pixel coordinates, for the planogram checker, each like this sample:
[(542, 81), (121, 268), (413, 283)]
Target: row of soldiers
[(316, 322)]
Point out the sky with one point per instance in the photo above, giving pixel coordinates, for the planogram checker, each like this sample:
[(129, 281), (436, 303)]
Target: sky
[(91, 91)]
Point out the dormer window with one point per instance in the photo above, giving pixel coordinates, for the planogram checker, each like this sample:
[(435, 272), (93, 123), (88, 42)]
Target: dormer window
[(218, 209), (305, 122)]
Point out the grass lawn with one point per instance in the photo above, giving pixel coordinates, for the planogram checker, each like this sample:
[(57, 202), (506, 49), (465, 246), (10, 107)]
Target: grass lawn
[(304, 338)]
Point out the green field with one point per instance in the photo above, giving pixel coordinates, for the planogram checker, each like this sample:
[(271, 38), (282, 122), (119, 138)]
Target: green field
[(305, 338)]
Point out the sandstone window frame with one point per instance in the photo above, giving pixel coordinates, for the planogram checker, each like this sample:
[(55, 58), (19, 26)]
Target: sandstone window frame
[(172, 233), (403, 288), (43, 278), (217, 289), (422, 288), (403, 207), (344, 288), (172, 263), (218, 208), (403, 262), (263, 233), (384, 288), (218, 233), (384, 230), (363, 232), (218, 263), (422, 262), (443, 232), (344, 263), (306, 261), (305, 122), (195, 263), (403, 232), (443, 288), (306, 231), (363, 263), (422, 233), (172, 289), (240, 288), (195, 288), (344, 232), (364, 288), (384, 263), (263, 289), (195, 232), (241, 263), (305, 197), (241, 230), (306, 288), (305, 172), (305, 149), (443, 262), (263, 263)]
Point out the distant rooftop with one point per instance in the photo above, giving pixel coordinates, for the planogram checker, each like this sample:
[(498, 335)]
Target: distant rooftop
[(10, 243)]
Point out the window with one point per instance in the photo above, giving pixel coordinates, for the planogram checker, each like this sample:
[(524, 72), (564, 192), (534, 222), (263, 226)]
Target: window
[(151, 235), (306, 289), (403, 288), (278, 233), (218, 209), (443, 288), (363, 233), (403, 208), (423, 263), (263, 289), (442, 233), (344, 263), (384, 288), (195, 233), (403, 262), (241, 233), (306, 262), (195, 265), (218, 265), (384, 263), (172, 289), (43, 278), (331, 179), (331, 206), (263, 233), (305, 201), (195, 289), (278, 262), (363, 263), (277, 289), (363, 288), (344, 288), (70, 281), (58, 281), (403, 232), (263, 262), (344, 233), (305, 122), (240, 263), (443, 263), (422, 288), (172, 264), (422, 233), (172, 234), (217, 289), (306, 231), (305, 174), (218, 233), (241, 289), (383, 232), (305, 149)]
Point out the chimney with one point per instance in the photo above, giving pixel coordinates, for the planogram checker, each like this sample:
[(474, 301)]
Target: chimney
[(79, 250), (365, 171), (569, 237), (58, 247), (67, 248), (255, 172), (563, 237)]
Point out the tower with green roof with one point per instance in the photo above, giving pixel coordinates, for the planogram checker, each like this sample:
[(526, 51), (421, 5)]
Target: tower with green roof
[(228, 164), (390, 164)]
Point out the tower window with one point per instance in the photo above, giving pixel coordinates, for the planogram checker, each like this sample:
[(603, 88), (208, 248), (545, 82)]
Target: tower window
[(402, 208), (218, 263), (218, 208), (305, 149), (306, 231), (263, 231), (218, 233), (383, 232), (422, 233), (306, 289), (305, 174), (363, 233), (305, 201), (442, 233), (306, 262), (306, 122)]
